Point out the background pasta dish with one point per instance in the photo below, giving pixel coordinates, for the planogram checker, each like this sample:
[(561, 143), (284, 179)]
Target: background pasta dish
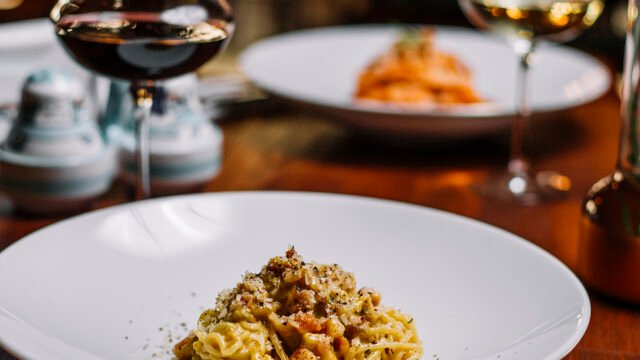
[(413, 71)]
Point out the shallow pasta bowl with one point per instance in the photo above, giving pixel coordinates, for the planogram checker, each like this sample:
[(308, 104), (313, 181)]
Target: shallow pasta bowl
[(128, 282), (319, 69)]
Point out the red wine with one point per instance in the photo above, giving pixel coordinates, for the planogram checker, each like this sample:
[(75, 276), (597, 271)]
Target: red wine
[(136, 46)]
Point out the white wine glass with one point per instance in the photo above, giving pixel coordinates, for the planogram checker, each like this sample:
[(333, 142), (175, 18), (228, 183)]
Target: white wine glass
[(143, 41), (524, 23)]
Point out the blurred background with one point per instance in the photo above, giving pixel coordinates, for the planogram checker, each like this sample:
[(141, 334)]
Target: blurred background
[(259, 18)]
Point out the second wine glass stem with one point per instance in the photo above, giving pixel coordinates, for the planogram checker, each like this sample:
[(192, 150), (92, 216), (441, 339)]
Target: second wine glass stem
[(142, 93), (518, 163)]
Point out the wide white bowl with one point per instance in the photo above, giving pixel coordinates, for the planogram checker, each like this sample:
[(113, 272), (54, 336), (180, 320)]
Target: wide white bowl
[(127, 282), (319, 69)]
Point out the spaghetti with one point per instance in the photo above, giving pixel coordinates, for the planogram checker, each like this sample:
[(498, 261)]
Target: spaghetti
[(414, 72), (292, 310)]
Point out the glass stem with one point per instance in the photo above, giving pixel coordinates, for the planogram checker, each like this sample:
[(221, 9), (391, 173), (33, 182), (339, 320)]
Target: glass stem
[(142, 92), (518, 164), (629, 158), (93, 96)]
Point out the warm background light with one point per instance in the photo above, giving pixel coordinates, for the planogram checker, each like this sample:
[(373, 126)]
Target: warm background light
[(9, 4)]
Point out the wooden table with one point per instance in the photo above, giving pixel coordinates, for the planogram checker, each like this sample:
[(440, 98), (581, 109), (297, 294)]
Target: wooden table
[(308, 152)]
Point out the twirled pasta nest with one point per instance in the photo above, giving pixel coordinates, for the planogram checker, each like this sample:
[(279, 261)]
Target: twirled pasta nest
[(296, 310)]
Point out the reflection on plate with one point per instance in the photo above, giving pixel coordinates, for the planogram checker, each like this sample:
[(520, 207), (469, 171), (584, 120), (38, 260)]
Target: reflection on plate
[(127, 282), (319, 69)]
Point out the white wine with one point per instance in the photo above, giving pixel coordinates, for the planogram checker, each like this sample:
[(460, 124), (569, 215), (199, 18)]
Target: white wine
[(523, 23), (534, 19)]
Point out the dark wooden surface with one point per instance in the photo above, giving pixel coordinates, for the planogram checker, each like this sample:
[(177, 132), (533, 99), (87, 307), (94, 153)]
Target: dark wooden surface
[(309, 152), (28, 9), (294, 150)]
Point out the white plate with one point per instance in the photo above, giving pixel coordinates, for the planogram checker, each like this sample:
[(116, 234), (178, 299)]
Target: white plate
[(117, 284), (319, 68), (25, 34), (26, 47)]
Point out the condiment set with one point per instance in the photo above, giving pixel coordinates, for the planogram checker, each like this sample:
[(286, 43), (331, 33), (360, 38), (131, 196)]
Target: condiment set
[(55, 156)]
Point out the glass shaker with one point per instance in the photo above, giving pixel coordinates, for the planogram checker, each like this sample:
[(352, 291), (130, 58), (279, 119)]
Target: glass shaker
[(609, 247)]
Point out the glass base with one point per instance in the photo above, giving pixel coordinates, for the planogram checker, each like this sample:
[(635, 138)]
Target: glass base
[(526, 188)]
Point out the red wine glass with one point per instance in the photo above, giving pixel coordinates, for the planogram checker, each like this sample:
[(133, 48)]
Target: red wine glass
[(143, 42)]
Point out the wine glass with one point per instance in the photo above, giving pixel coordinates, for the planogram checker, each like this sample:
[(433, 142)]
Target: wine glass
[(143, 41), (524, 23)]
